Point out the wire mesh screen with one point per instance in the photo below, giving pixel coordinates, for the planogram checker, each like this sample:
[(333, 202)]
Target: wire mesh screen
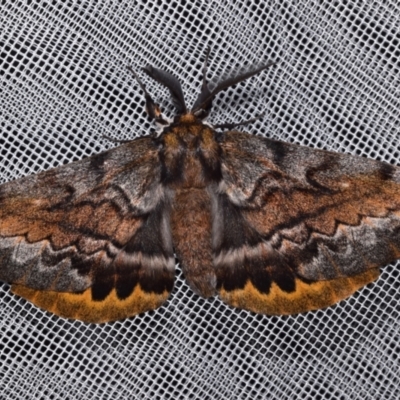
[(65, 86)]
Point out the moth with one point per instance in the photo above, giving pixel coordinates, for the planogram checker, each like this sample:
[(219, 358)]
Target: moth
[(270, 227)]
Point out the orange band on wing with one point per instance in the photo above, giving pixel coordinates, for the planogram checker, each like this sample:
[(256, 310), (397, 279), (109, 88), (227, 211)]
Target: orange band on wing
[(306, 297), (81, 305)]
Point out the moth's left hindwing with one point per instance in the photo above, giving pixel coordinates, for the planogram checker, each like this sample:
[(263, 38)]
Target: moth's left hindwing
[(297, 229), (90, 240)]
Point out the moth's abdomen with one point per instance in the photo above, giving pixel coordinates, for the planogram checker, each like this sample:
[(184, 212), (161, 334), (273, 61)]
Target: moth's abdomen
[(191, 235)]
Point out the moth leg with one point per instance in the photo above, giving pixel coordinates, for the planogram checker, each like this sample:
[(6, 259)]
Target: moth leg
[(116, 140), (204, 85), (233, 125)]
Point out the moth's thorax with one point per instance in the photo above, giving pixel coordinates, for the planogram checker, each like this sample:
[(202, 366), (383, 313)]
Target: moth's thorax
[(190, 153), (189, 134)]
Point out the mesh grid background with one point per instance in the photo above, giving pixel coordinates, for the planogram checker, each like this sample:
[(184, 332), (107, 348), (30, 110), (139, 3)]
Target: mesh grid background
[(64, 84)]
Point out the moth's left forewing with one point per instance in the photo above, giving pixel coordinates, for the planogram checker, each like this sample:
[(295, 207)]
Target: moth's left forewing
[(298, 228), (90, 240)]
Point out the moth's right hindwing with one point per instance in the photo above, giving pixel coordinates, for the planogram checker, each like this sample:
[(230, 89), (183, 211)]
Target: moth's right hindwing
[(90, 240)]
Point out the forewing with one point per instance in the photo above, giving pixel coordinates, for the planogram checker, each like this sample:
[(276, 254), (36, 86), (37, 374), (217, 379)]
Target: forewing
[(90, 240), (297, 229)]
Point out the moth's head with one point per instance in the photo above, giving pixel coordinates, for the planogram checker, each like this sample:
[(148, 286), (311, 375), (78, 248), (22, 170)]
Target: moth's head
[(202, 106)]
